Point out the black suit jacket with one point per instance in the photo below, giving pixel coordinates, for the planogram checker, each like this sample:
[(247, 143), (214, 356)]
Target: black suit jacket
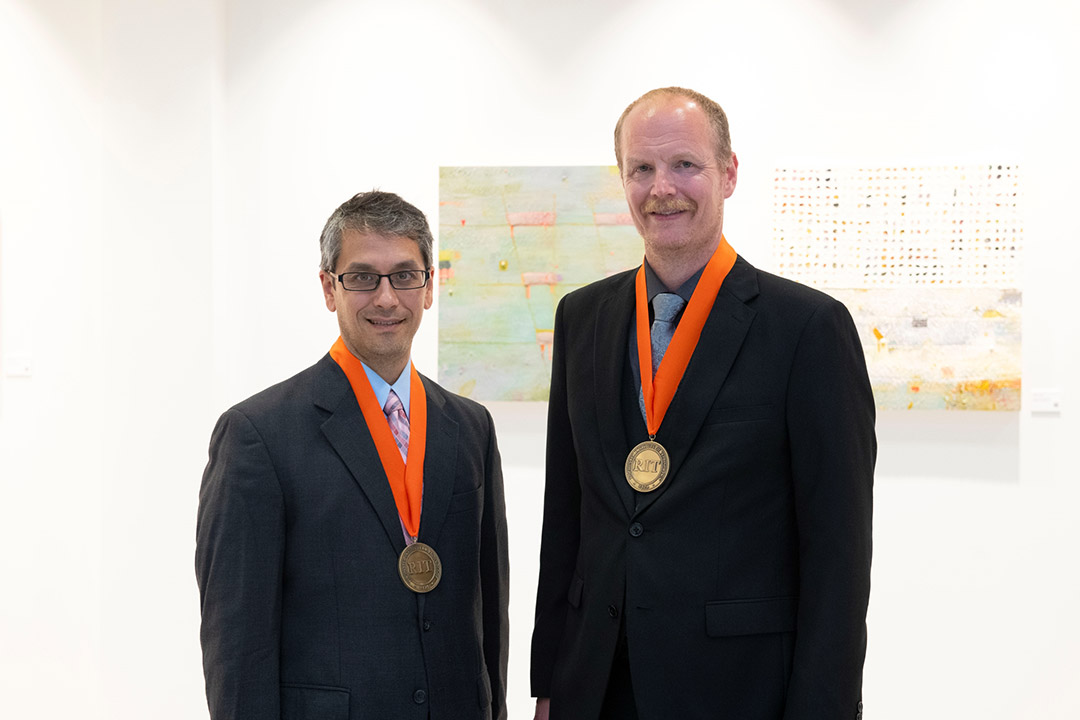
[(743, 581), (303, 612)]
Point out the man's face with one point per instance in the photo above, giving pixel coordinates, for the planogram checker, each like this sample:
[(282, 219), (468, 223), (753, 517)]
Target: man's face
[(674, 184), (377, 326)]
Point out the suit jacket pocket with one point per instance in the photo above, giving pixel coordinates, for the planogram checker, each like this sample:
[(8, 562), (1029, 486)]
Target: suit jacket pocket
[(462, 501), (728, 618), (314, 702), (745, 413)]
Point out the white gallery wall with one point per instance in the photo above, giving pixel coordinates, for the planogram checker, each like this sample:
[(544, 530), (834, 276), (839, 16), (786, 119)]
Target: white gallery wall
[(165, 170)]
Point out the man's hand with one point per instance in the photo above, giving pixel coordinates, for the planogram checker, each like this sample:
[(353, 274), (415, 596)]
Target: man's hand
[(543, 706)]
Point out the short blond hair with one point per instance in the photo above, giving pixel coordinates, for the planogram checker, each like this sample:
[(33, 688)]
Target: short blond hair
[(714, 113)]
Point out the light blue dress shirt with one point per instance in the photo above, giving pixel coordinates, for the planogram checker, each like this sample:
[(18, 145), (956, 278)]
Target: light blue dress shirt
[(382, 389)]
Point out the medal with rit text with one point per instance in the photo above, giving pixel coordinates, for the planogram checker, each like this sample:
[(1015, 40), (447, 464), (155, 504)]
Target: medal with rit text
[(646, 466), (419, 567), (648, 463)]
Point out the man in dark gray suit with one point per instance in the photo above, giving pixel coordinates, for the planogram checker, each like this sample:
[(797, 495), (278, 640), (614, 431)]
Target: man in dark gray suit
[(351, 539)]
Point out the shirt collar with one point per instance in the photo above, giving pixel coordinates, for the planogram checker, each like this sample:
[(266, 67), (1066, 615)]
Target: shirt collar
[(400, 386), (654, 285)]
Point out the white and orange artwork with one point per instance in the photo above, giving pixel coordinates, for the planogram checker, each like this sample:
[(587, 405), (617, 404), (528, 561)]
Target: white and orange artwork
[(928, 261)]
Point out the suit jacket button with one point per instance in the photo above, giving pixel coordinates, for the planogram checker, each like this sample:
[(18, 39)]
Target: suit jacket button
[(427, 625), (860, 706), (613, 611), (636, 530), (419, 697)]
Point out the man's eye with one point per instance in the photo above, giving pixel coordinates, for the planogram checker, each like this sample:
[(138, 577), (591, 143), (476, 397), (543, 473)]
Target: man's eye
[(364, 278), (686, 164), (642, 168), (403, 275)]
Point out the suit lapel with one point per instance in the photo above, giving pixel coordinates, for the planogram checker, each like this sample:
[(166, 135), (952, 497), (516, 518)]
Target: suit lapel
[(347, 433), (440, 461), (721, 338), (610, 351)]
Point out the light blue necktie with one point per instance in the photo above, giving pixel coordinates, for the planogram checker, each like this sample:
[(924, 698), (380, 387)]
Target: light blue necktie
[(666, 307)]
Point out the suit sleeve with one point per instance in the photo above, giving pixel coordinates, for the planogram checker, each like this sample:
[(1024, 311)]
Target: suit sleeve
[(833, 448), (495, 577), (561, 533), (239, 551)]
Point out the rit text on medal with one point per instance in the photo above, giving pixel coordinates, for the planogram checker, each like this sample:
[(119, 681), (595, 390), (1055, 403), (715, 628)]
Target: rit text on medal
[(648, 466)]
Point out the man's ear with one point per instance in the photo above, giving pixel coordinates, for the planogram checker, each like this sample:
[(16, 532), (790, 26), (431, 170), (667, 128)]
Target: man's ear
[(731, 175), (327, 281)]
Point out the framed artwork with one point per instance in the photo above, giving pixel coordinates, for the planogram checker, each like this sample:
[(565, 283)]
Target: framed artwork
[(927, 259), (512, 242)]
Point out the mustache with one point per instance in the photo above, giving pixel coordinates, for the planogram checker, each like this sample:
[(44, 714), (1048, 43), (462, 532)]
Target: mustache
[(668, 205)]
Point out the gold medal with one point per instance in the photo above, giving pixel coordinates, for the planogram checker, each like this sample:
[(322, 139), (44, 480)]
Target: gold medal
[(646, 466), (420, 568)]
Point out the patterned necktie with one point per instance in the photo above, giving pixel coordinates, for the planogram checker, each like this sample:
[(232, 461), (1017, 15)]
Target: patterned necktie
[(666, 307), (399, 422), (399, 426)]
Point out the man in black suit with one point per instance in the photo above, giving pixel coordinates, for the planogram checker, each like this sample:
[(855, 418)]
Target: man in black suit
[(707, 530), (351, 539)]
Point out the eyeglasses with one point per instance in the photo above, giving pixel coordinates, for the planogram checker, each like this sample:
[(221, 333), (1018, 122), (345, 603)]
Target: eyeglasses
[(399, 280)]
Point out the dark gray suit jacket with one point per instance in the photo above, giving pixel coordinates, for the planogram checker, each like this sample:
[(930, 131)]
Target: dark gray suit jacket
[(303, 613), (742, 581)]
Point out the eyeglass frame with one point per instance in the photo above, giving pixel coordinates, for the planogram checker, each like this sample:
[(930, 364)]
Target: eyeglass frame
[(339, 277)]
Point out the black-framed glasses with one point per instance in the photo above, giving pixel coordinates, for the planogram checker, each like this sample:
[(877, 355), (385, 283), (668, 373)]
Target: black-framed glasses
[(399, 280)]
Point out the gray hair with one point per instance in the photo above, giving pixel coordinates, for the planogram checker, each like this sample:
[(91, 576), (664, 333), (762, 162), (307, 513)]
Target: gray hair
[(714, 113), (377, 212)]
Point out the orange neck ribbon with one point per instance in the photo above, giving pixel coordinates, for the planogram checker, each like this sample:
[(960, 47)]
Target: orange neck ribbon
[(659, 392), (406, 477)]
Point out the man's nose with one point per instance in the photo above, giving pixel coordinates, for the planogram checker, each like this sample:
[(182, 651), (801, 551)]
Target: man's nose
[(384, 294), (663, 182)]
